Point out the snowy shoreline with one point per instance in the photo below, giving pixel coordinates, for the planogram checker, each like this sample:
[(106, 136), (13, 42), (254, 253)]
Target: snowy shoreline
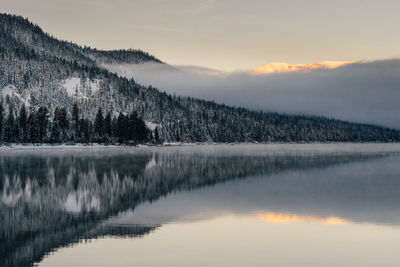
[(327, 146), (90, 146)]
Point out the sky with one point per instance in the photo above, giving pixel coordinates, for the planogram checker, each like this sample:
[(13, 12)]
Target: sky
[(225, 34)]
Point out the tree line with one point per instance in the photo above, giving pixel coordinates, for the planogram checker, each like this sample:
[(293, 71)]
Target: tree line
[(37, 126)]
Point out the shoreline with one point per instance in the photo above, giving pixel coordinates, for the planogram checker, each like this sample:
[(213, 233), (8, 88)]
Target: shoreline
[(392, 146)]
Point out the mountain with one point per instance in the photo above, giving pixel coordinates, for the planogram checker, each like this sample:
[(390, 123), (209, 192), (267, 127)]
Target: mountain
[(38, 70), (17, 31), (285, 67)]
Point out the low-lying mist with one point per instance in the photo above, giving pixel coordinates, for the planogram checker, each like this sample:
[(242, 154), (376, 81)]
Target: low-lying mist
[(366, 92)]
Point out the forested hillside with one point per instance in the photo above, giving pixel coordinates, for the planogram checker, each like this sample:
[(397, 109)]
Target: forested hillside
[(41, 76)]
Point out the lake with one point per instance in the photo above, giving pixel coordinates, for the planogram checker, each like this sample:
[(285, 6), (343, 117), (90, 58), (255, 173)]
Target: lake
[(201, 205)]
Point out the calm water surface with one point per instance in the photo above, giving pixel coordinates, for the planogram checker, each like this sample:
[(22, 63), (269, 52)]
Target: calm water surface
[(221, 205)]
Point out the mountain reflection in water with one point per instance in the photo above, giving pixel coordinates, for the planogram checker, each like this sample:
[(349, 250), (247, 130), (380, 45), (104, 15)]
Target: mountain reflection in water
[(51, 199)]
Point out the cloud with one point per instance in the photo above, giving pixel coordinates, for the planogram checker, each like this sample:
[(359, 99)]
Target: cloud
[(366, 92)]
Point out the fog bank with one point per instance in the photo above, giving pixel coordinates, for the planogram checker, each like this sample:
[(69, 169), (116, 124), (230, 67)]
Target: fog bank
[(363, 92)]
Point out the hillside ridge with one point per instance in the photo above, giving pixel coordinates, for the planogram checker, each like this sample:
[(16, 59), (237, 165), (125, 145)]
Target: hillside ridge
[(39, 71)]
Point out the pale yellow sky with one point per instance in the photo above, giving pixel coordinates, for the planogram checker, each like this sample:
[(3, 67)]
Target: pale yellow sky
[(225, 34)]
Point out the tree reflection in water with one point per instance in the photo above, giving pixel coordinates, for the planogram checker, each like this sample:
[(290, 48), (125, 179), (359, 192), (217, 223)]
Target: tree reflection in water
[(54, 199)]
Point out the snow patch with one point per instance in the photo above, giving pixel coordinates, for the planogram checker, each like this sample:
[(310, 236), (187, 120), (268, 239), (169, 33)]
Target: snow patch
[(75, 87), (151, 125), (72, 85), (10, 90)]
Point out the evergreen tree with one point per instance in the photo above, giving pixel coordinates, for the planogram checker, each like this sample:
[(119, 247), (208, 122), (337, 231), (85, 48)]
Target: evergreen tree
[(156, 135), (55, 127), (114, 127), (132, 130), (33, 129), (142, 130), (120, 131), (9, 128), (55, 133), (108, 125), (75, 121), (83, 130), (89, 131), (16, 133), (23, 124), (42, 120), (60, 125), (1, 120), (177, 137), (99, 124), (136, 128), (63, 123)]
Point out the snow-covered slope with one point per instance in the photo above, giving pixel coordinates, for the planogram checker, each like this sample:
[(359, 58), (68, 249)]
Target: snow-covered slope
[(81, 88), (11, 92), (40, 71)]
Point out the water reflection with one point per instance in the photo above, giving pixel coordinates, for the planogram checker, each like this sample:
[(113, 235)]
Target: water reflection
[(55, 199), (284, 218)]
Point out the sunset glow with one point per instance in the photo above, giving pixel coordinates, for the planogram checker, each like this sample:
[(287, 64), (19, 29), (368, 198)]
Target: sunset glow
[(285, 67)]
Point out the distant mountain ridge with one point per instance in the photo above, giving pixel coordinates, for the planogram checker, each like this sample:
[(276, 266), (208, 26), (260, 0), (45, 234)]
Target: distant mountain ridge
[(131, 56), (33, 37), (38, 70)]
